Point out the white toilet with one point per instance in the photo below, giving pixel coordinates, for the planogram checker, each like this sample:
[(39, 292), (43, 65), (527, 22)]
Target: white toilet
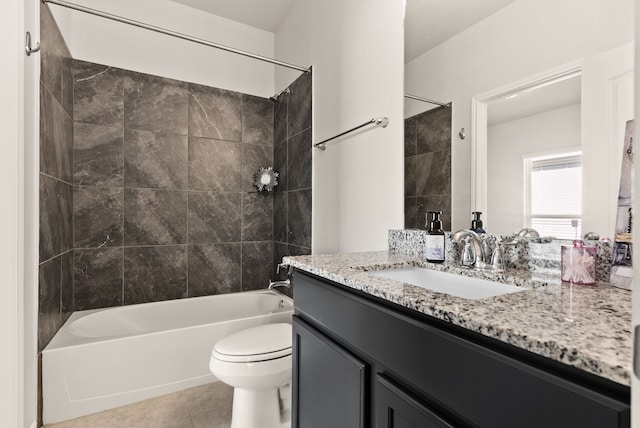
[(257, 363)]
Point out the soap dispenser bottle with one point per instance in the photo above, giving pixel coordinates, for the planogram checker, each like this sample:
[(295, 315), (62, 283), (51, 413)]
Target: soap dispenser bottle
[(434, 246), (476, 223)]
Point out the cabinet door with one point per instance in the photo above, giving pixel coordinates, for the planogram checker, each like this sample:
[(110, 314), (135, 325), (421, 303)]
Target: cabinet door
[(328, 382), (396, 408)]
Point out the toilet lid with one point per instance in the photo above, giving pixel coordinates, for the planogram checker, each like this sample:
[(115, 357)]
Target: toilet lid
[(265, 342)]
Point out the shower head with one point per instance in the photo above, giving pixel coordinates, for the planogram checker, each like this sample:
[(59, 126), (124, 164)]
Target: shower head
[(276, 97)]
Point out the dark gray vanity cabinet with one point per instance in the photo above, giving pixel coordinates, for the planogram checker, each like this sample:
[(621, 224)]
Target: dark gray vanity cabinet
[(359, 361)]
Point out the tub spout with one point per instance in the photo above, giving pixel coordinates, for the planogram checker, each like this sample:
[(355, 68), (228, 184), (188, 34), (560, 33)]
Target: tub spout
[(273, 284)]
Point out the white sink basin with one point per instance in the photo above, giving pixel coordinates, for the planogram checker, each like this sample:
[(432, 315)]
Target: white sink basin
[(448, 283)]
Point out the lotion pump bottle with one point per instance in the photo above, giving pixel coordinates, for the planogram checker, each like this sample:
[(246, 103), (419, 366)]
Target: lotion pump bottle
[(476, 223), (434, 246)]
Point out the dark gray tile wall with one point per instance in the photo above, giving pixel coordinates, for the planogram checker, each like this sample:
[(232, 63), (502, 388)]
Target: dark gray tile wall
[(56, 174), (155, 273), (292, 159), (98, 277), (427, 157), (164, 204), (219, 261)]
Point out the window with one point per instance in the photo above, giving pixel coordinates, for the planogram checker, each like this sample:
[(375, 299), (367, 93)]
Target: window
[(553, 194)]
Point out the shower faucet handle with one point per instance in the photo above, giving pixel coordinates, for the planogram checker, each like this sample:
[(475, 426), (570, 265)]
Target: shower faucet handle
[(286, 266)]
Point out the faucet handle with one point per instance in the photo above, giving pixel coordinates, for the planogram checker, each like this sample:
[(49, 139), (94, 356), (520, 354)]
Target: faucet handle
[(286, 266), (486, 250), (468, 256), (497, 258)]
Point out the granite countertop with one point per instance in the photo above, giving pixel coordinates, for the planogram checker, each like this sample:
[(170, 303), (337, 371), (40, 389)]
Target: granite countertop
[(588, 327)]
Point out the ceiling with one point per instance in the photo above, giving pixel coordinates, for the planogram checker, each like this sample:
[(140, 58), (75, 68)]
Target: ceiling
[(264, 14), (530, 102), (427, 22)]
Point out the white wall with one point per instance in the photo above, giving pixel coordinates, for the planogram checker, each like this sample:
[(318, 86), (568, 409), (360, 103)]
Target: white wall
[(31, 216), (102, 41), (10, 305), (357, 75), (507, 143), (523, 39), (16, 369)]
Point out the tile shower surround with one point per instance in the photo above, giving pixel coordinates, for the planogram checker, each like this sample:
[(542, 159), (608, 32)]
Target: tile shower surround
[(55, 270), (427, 156), (164, 206), (146, 186), (292, 158)]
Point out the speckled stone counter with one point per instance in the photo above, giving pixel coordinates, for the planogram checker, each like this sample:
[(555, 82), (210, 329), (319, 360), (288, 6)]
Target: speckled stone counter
[(588, 327)]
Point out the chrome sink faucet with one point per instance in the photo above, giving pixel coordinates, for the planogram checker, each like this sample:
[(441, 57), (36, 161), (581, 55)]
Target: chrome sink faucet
[(473, 254), (528, 232)]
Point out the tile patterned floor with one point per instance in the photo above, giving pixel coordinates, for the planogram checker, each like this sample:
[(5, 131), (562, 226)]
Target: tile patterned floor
[(206, 406)]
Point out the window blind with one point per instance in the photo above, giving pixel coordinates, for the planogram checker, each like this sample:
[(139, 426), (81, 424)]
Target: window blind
[(553, 195)]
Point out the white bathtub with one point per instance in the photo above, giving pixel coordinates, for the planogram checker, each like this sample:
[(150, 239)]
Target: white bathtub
[(107, 358)]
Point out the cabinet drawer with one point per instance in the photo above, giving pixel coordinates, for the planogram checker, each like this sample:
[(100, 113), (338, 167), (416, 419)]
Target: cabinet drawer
[(486, 387)]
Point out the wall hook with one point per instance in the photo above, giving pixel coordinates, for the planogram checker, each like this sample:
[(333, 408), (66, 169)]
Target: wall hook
[(27, 45), (462, 134)]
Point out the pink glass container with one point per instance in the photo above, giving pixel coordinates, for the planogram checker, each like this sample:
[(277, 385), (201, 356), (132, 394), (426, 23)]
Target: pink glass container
[(578, 263)]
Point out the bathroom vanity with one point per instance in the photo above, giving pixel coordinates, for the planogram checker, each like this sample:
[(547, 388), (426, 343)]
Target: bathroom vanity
[(369, 351)]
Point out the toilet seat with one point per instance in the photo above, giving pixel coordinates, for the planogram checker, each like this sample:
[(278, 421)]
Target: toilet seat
[(262, 343)]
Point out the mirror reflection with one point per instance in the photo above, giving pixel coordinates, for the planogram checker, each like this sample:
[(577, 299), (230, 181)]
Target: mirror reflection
[(427, 154), (504, 53), (534, 159)]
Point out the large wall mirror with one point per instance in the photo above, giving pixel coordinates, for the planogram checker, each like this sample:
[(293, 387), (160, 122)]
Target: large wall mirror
[(532, 98)]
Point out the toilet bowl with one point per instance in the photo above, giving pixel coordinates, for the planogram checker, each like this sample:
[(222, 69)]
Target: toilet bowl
[(256, 362)]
